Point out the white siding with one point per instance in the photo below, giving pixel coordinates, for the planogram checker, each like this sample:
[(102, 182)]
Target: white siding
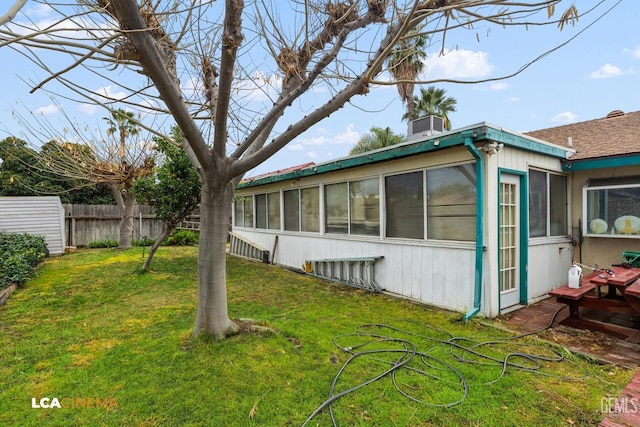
[(441, 275), (549, 265), (437, 273), (40, 216), (549, 258)]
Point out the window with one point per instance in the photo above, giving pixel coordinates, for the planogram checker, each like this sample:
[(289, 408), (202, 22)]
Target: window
[(364, 203), (353, 207), (404, 197), (451, 203), (268, 211), (302, 209), (292, 210), (273, 211), (547, 204), (243, 211), (558, 205), (336, 208), (310, 204), (612, 207), (261, 210)]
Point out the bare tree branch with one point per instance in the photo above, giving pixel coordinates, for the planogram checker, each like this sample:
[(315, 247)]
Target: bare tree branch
[(12, 12)]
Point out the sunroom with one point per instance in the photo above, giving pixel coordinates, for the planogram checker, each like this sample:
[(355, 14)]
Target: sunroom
[(473, 220)]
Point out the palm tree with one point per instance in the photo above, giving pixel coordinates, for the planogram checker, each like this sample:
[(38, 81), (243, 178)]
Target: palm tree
[(405, 63), (376, 138), (122, 121), (432, 102), (124, 125)]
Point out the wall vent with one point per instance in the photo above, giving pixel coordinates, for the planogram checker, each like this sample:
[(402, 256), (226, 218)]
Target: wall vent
[(615, 113)]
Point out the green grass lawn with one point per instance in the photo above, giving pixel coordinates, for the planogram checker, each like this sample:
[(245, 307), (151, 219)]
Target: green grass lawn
[(92, 326)]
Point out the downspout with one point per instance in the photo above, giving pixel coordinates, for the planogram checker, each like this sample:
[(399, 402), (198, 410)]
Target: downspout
[(477, 289)]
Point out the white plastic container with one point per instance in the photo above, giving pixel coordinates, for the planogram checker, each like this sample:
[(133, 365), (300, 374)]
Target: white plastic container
[(575, 276)]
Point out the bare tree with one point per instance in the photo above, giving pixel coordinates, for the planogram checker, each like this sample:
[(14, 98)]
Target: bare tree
[(122, 167), (204, 63), (114, 161)]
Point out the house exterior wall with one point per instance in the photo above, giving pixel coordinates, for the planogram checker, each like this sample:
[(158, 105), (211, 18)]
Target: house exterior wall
[(40, 216), (549, 258), (436, 272), (606, 250), (439, 273), (436, 275)]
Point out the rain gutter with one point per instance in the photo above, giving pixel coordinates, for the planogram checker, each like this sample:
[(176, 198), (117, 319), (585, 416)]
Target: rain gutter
[(477, 289)]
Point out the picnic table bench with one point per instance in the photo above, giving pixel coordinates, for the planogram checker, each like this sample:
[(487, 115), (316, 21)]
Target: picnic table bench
[(622, 296)]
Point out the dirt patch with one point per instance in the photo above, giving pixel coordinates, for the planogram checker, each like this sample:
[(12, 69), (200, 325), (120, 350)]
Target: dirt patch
[(546, 317), (601, 346)]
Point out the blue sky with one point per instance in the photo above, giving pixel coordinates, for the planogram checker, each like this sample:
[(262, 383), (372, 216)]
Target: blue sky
[(597, 72)]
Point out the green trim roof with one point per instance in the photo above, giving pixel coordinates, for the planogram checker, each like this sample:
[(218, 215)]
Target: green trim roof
[(479, 133), (600, 163)]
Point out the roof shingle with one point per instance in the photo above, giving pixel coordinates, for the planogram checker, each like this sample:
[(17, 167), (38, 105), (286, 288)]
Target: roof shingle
[(615, 135)]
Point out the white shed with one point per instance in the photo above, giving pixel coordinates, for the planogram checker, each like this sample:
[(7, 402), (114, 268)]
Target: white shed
[(40, 216)]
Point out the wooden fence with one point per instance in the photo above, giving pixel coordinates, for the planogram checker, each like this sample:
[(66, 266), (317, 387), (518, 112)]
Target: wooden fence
[(92, 223)]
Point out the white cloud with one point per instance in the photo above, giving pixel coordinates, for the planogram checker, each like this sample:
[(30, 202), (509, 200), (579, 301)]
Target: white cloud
[(39, 10), (88, 109), (566, 117), (57, 24), (634, 52), (295, 147), (103, 94), (316, 140), (191, 86), (48, 109), (499, 86), (348, 136), (108, 92), (606, 71), (457, 64), (312, 154), (259, 87), (513, 99)]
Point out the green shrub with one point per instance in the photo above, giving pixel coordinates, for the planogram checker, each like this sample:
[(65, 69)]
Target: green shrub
[(182, 238), (103, 244), (143, 242), (21, 254)]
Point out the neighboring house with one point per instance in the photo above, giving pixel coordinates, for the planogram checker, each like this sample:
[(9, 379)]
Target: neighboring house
[(39, 216), (476, 220), (605, 184)]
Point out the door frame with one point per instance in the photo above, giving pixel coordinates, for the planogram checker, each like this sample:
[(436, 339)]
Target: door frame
[(523, 218)]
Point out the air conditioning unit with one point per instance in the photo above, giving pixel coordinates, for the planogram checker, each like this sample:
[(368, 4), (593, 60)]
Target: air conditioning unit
[(425, 126)]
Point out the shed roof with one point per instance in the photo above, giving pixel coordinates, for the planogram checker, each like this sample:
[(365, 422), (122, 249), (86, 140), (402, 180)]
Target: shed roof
[(481, 132)]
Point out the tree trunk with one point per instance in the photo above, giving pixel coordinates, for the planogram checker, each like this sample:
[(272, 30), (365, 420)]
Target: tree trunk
[(126, 223), (168, 228), (213, 317), (125, 204)]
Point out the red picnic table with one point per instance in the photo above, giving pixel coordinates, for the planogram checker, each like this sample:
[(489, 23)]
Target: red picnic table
[(622, 296)]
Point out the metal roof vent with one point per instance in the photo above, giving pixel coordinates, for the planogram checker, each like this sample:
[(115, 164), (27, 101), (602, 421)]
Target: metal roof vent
[(615, 113), (425, 126)]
